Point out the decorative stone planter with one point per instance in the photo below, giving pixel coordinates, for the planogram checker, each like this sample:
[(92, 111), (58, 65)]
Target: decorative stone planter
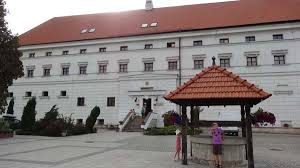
[(233, 151)]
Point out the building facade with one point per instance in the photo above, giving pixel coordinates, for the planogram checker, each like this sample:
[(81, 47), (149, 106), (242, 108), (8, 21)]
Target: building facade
[(129, 72)]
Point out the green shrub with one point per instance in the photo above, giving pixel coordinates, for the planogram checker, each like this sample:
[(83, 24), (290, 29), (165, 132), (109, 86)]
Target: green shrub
[(22, 132), (4, 126), (79, 129), (10, 108), (169, 130), (54, 129), (92, 118), (28, 117)]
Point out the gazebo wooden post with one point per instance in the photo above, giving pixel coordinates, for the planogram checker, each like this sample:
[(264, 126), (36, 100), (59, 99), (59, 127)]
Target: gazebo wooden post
[(243, 125), (249, 138), (192, 125), (192, 120), (184, 135)]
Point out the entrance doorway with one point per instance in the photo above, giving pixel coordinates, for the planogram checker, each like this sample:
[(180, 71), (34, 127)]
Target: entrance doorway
[(147, 106)]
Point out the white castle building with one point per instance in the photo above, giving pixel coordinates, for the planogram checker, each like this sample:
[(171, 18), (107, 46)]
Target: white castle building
[(124, 60)]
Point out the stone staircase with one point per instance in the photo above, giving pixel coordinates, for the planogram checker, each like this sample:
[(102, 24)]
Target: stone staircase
[(134, 125)]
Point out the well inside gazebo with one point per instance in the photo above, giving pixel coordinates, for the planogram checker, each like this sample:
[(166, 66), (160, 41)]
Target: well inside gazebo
[(215, 86)]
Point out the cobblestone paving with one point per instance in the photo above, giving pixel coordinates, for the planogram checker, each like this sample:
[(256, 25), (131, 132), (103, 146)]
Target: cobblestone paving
[(109, 149)]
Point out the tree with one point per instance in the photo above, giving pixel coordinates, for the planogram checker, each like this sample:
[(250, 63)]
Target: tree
[(195, 114), (10, 65), (92, 118), (10, 109), (28, 117)]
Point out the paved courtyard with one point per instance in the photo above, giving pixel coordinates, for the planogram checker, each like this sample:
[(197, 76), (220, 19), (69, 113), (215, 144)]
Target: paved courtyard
[(109, 149)]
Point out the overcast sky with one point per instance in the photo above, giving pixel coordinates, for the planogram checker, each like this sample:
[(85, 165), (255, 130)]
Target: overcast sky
[(26, 14)]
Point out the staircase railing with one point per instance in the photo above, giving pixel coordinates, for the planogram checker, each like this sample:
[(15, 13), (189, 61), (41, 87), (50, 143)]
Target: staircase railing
[(150, 116), (126, 120)]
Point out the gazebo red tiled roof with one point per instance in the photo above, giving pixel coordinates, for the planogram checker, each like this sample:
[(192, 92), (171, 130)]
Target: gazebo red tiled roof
[(217, 86)]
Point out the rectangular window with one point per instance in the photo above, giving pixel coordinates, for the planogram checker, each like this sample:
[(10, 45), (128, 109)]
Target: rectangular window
[(198, 64), (102, 68), (82, 51), (123, 68), (225, 62), (48, 53), (31, 55), (197, 43), (82, 70), (224, 41), (279, 59), (124, 48), (250, 38), (65, 52), (63, 93), (30, 73), (80, 101), (28, 94), (171, 45), (148, 46), (103, 49), (45, 93), (46, 72), (251, 61), (148, 66), (111, 101), (277, 36), (65, 71), (172, 65), (10, 94)]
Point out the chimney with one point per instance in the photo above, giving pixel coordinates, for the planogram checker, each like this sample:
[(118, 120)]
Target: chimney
[(149, 5)]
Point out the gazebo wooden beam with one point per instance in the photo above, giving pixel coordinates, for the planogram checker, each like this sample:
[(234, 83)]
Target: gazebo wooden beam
[(184, 135), (249, 137)]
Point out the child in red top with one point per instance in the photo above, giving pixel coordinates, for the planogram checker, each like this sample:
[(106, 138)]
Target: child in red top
[(178, 144)]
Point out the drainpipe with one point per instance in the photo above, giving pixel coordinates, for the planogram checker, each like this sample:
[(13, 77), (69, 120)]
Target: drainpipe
[(179, 68)]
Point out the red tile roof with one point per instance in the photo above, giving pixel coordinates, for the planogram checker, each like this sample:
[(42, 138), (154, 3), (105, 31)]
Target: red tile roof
[(169, 19), (217, 83)]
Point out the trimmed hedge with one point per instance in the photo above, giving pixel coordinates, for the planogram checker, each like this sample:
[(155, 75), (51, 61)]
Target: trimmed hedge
[(168, 130)]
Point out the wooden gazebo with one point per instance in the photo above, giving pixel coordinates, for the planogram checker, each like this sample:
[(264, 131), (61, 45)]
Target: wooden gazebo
[(215, 86)]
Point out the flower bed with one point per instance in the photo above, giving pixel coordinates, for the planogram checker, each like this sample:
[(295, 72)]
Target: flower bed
[(8, 134)]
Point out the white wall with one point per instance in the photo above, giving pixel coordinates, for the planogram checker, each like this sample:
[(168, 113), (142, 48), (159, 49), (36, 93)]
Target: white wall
[(97, 87)]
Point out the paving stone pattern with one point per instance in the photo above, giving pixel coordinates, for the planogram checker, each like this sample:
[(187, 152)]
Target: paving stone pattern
[(108, 149)]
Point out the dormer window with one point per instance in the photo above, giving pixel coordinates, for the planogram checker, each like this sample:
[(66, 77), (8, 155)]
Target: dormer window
[(144, 25), (154, 24), (92, 30), (83, 31)]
